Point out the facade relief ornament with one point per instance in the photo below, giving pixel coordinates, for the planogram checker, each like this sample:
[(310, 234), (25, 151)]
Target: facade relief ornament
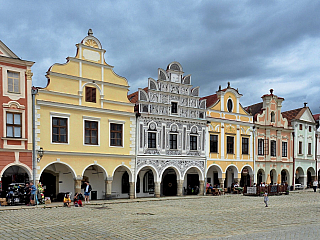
[(152, 152), (173, 152)]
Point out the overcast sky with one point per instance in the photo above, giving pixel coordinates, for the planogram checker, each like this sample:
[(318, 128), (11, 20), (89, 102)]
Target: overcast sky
[(256, 45)]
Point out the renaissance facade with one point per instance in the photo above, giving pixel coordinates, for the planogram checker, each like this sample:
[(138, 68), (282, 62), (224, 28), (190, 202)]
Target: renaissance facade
[(170, 143)]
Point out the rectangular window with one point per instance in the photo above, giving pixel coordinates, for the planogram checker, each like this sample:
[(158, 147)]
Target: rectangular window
[(59, 130), (13, 82), (115, 134), (309, 149), (174, 107), (163, 137), (90, 94), (245, 145), (260, 147), (300, 126), (284, 149), (309, 128), (152, 142), (213, 143), (193, 142), (173, 141), (230, 145), (14, 125), (91, 132), (273, 148), (300, 147)]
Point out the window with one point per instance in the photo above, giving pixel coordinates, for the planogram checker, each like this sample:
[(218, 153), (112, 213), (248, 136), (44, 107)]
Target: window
[(59, 130), (115, 134), (214, 143), (152, 139), (193, 142), (90, 94), (272, 117), (245, 145), (260, 147), (173, 141), (174, 107), (284, 149), (300, 126), (273, 148), (91, 132), (148, 182), (309, 128), (14, 125), (229, 105), (309, 149), (300, 147), (230, 145), (13, 82)]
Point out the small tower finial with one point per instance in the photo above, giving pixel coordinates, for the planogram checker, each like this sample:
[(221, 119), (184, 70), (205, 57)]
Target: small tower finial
[(271, 91), (228, 84), (90, 32), (219, 87), (305, 104)]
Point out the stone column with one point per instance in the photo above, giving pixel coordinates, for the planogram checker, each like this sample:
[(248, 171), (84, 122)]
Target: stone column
[(131, 191), (77, 185), (108, 188), (251, 180), (201, 188), (180, 187), (157, 189)]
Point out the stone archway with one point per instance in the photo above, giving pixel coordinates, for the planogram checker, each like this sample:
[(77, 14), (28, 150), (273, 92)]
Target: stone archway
[(14, 174), (193, 182), (169, 183), (300, 178), (310, 176), (246, 176), (231, 176), (122, 184), (273, 176), (145, 184), (96, 176), (261, 176), (285, 177), (214, 176), (57, 179)]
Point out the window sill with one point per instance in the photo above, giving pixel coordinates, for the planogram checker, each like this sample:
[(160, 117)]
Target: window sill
[(14, 139), (116, 146)]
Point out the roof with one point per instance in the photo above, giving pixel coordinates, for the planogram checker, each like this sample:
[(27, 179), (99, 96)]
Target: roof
[(293, 114), (254, 109), (316, 116), (134, 97), (211, 99)]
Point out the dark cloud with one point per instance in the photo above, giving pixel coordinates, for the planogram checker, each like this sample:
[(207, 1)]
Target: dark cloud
[(256, 45)]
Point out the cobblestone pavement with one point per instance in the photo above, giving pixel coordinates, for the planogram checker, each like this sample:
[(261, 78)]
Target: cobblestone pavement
[(296, 216)]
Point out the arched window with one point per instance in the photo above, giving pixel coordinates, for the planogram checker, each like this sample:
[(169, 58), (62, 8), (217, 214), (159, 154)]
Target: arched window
[(272, 117), (148, 182), (125, 186), (229, 105)]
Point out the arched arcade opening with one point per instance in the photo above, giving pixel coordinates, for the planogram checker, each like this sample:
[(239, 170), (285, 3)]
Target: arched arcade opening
[(169, 182), (96, 176)]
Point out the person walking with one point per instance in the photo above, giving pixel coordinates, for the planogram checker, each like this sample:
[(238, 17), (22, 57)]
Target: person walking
[(87, 191), (33, 191), (315, 184), (265, 198)]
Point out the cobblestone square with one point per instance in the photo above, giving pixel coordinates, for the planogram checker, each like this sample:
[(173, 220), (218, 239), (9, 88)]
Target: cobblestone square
[(295, 216)]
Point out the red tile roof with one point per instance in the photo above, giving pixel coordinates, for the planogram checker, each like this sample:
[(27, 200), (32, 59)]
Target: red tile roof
[(316, 116), (254, 109), (293, 114), (211, 99)]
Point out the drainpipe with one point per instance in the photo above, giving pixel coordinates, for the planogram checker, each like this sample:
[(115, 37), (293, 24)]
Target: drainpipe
[(293, 176), (136, 153), (254, 154), (34, 91), (316, 147)]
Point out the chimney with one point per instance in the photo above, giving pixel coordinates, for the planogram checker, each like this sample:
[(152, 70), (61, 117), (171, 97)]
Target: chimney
[(228, 84), (305, 104)]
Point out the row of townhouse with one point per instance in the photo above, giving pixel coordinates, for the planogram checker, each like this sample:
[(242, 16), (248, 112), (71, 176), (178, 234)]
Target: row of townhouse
[(158, 141)]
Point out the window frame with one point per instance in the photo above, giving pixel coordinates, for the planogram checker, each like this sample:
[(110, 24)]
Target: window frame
[(230, 145), (13, 125), (153, 135), (213, 142), (193, 142), (60, 115), (93, 97), (91, 129), (284, 149), (300, 148), (172, 141), (245, 146), (273, 148), (59, 129), (13, 85), (176, 107), (92, 119), (309, 148), (230, 101), (116, 131), (260, 147)]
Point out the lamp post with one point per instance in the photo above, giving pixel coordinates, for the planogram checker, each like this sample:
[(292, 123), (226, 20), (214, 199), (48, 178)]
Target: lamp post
[(40, 153)]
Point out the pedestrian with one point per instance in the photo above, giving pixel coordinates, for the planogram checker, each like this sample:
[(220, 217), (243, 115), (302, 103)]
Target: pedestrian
[(315, 184), (33, 191), (265, 198), (28, 194), (87, 191), (67, 201)]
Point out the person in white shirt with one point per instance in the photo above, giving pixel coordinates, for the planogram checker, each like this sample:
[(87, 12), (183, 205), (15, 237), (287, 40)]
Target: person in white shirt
[(315, 184), (87, 191)]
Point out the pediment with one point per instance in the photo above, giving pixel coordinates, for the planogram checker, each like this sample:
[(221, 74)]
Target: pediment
[(6, 52), (307, 116)]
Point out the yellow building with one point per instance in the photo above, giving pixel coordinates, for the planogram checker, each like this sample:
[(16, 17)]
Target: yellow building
[(86, 127), (229, 140)]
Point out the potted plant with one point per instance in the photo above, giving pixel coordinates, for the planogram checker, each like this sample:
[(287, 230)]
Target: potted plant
[(287, 192)]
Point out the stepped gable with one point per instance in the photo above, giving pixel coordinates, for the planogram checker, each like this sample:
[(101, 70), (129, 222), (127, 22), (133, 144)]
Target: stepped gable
[(293, 114)]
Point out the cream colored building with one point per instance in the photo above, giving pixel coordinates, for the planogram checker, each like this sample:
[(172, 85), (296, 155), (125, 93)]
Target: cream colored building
[(86, 126)]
